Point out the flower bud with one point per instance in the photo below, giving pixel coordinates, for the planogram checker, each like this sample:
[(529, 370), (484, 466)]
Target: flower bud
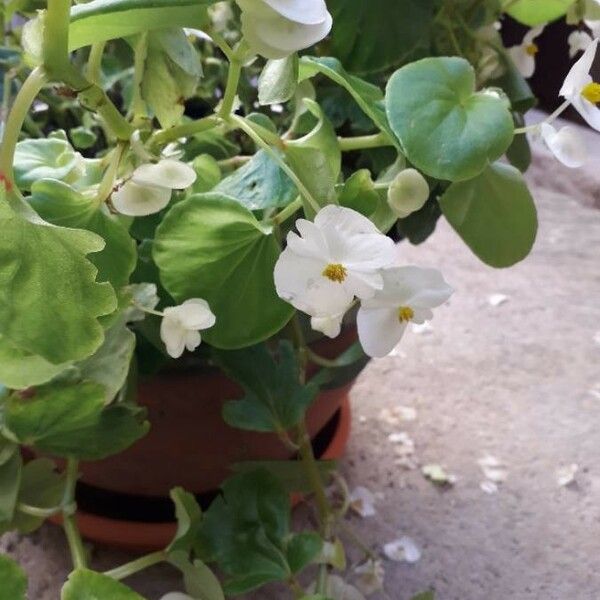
[(408, 193)]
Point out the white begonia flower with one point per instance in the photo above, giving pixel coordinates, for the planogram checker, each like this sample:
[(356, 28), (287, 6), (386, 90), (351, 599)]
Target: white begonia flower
[(408, 295), (150, 188), (578, 42), (581, 90), (407, 193), (278, 28), (567, 145), (334, 259), (181, 325), (524, 54)]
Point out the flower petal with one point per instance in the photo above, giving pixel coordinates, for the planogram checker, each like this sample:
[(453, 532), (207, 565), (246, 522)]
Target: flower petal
[(138, 201), (173, 335), (307, 12), (579, 74), (168, 173), (524, 62), (579, 42), (589, 111), (379, 330), (195, 314), (567, 145)]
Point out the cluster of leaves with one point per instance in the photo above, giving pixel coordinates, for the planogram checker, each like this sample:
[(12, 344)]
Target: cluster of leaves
[(70, 267)]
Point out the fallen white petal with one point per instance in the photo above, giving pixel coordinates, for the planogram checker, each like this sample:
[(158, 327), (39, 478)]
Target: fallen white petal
[(403, 549), (565, 476), (493, 469), (489, 487), (497, 299), (438, 475), (362, 502), (422, 329)]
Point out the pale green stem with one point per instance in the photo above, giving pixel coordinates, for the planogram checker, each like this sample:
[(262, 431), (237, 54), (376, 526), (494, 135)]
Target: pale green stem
[(364, 142), (139, 65), (549, 119), (94, 66), (110, 175), (36, 511), (245, 126), (139, 564), (69, 523), (183, 131), (27, 94), (233, 81), (287, 212)]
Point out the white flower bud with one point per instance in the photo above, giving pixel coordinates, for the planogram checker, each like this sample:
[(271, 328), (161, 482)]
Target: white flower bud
[(408, 193)]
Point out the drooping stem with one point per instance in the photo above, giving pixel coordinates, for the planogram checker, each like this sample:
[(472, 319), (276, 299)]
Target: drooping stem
[(233, 80), (182, 131), (285, 213), (23, 101), (94, 66), (69, 509), (247, 128), (139, 564), (108, 180), (364, 142)]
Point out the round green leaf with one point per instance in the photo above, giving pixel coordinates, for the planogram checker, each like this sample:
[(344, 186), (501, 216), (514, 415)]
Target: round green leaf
[(537, 12), (12, 579), (494, 214), (209, 246), (447, 129), (84, 584)]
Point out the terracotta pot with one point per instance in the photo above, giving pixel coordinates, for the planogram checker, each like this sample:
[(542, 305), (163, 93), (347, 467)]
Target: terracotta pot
[(123, 500)]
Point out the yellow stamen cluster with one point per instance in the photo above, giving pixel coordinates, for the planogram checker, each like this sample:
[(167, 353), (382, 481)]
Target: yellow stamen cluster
[(335, 272), (532, 49), (591, 92), (405, 314)]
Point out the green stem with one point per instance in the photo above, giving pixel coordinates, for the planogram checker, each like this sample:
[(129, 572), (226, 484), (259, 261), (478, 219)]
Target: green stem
[(69, 508), (139, 564), (36, 511), (27, 94), (139, 65), (94, 66), (233, 81), (245, 126), (364, 142), (185, 130), (110, 175), (321, 360), (285, 213), (220, 42)]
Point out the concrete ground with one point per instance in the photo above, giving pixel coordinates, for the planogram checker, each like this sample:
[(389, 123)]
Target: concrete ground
[(510, 369)]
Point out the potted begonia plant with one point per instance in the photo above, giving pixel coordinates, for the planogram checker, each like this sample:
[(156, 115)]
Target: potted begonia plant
[(200, 209)]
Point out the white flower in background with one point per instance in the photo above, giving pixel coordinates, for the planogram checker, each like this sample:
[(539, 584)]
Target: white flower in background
[(581, 90), (579, 42), (408, 295), (181, 325), (567, 145), (334, 259), (524, 54), (362, 502), (407, 193), (278, 28), (150, 188)]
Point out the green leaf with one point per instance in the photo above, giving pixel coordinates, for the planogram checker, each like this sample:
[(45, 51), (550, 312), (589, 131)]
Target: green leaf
[(20, 369), (13, 579), (359, 193), (41, 486), (49, 299), (35, 159), (109, 365), (72, 420), (519, 152), (189, 518), (275, 399), (368, 96), (259, 184), (376, 35), (208, 173), (290, 473), (447, 129), (245, 529), (494, 214), (83, 137), (316, 158), (60, 204), (200, 582), (209, 245), (418, 226), (102, 20), (10, 480), (278, 80), (84, 584), (302, 549), (537, 12), (171, 73)]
